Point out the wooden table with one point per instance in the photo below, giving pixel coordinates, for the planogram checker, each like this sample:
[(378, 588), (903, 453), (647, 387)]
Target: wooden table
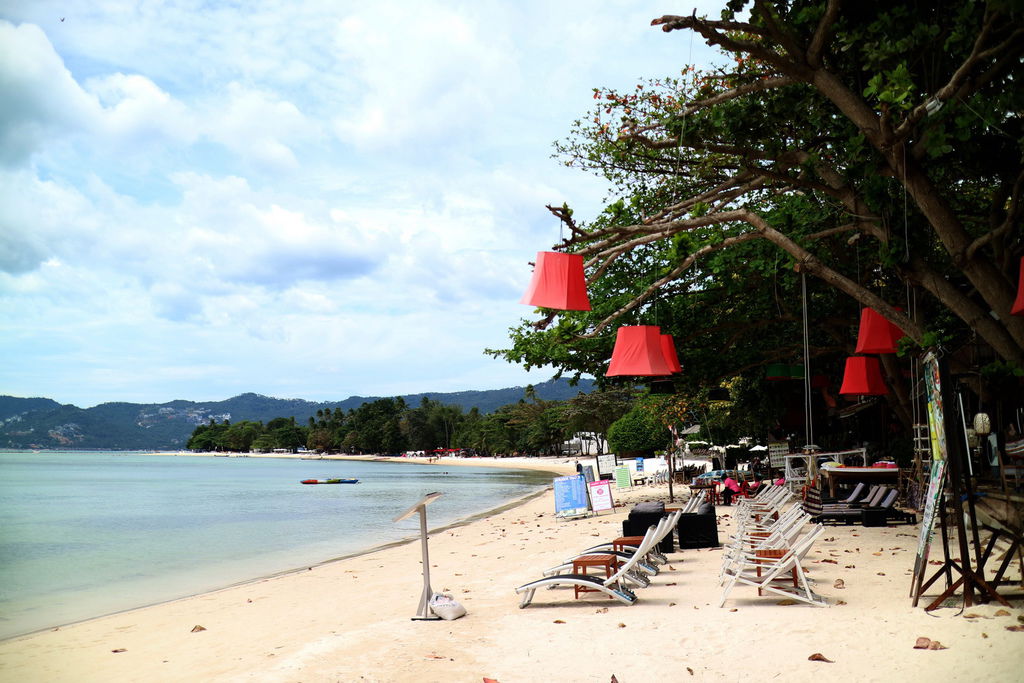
[(580, 565)]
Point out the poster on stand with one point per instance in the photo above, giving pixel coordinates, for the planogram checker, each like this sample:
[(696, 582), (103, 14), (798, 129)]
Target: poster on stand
[(623, 480), (601, 495), (606, 464), (571, 496)]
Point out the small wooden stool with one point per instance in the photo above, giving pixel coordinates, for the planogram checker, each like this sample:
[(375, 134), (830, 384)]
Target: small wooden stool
[(627, 542), (580, 564), (771, 554)]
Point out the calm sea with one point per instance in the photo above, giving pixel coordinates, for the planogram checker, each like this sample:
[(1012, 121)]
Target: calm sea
[(87, 534)]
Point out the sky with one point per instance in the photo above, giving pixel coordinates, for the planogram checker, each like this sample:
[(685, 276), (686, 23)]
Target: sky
[(304, 199)]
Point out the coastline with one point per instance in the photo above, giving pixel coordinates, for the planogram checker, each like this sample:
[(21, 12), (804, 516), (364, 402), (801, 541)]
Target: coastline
[(349, 619)]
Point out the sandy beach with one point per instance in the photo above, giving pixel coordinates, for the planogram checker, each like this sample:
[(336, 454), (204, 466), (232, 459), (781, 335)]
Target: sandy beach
[(349, 620)]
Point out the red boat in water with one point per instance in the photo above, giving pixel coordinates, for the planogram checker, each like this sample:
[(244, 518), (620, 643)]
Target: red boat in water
[(330, 481)]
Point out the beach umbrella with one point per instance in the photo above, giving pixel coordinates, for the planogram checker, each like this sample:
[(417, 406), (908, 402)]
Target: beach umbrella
[(558, 282)]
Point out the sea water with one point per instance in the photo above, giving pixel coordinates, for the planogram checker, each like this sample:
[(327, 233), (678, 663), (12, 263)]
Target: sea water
[(88, 534)]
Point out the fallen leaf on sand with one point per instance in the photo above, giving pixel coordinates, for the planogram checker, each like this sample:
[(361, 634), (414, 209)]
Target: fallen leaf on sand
[(621, 625), (818, 657), (733, 609), (671, 584), (558, 621), (1015, 627), (831, 538), (839, 584), (972, 615), (197, 628), (928, 644), (881, 573), (690, 670), (120, 649), (840, 602), (984, 635), (849, 566), (1002, 613), (602, 610), (876, 553), (671, 604), (433, 655), (787, 601), (490, 680), (830, 561)]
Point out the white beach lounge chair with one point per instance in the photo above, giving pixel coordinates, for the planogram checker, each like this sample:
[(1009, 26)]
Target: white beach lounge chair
[(612, 586), (782, 575), (649, 564)]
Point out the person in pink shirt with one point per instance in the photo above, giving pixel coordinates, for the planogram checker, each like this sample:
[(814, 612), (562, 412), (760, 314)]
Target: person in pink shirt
[(730, 487)]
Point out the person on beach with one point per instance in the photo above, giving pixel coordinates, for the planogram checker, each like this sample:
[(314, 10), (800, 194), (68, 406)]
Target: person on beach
[(730, 487)]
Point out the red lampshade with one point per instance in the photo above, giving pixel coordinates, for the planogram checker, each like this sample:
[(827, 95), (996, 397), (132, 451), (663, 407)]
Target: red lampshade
[(558, 282), (668, 349), (863, 377), (1018, 305), (876, 334), (638, 352)]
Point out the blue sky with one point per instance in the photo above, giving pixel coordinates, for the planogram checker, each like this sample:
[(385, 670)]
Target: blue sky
[(309, 199)]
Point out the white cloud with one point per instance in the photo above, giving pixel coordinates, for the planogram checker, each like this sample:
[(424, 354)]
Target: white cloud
[(310, 199)]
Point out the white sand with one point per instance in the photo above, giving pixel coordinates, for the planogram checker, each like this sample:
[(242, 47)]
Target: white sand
[(350, 620)]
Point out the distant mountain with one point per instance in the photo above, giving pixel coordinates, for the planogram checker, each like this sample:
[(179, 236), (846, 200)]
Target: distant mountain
[(44, 423)]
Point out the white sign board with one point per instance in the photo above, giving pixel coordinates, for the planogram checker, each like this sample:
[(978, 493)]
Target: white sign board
[(601, 495)]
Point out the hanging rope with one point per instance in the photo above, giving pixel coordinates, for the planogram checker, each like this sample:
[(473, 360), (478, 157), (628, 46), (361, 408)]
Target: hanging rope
[(808, 416)]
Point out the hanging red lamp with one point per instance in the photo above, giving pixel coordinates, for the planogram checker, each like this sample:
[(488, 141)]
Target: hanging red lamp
[(863, 377), (558, 282), (876, 334), (1018, 305), (668, 349), (638, 352)]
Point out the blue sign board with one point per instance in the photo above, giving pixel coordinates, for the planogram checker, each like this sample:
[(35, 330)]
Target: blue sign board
[(639, 464), (571, 496)]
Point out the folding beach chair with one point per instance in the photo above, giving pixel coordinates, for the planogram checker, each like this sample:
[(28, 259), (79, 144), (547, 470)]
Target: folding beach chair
[(777, 571), (611, 586)]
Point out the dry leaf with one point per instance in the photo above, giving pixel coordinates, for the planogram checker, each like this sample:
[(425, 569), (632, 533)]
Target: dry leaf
[(928, 644), (984, 635), (671, 604), (787, 601), (1002, 613), (849, 566), (881, 573), (972, 615), (120, 649), (840, 602), (818, 657), (197, 628), (839, 584), (558, 621), (733, 609), (1015, 627), (690, 670), (433, 655), (490, 680), (830, 561), (671, 584), (621, 625)]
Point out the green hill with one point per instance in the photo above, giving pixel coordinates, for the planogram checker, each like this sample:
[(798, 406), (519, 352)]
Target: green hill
[(44, 423)]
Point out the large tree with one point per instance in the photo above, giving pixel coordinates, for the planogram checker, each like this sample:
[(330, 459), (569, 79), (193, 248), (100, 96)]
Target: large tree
[(873, 146)]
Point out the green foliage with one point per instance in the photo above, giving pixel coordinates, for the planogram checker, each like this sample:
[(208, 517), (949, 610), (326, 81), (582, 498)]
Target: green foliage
[(638, 430)]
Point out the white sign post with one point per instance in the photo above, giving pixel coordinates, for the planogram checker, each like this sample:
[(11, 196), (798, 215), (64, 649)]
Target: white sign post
[(424, 613)]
